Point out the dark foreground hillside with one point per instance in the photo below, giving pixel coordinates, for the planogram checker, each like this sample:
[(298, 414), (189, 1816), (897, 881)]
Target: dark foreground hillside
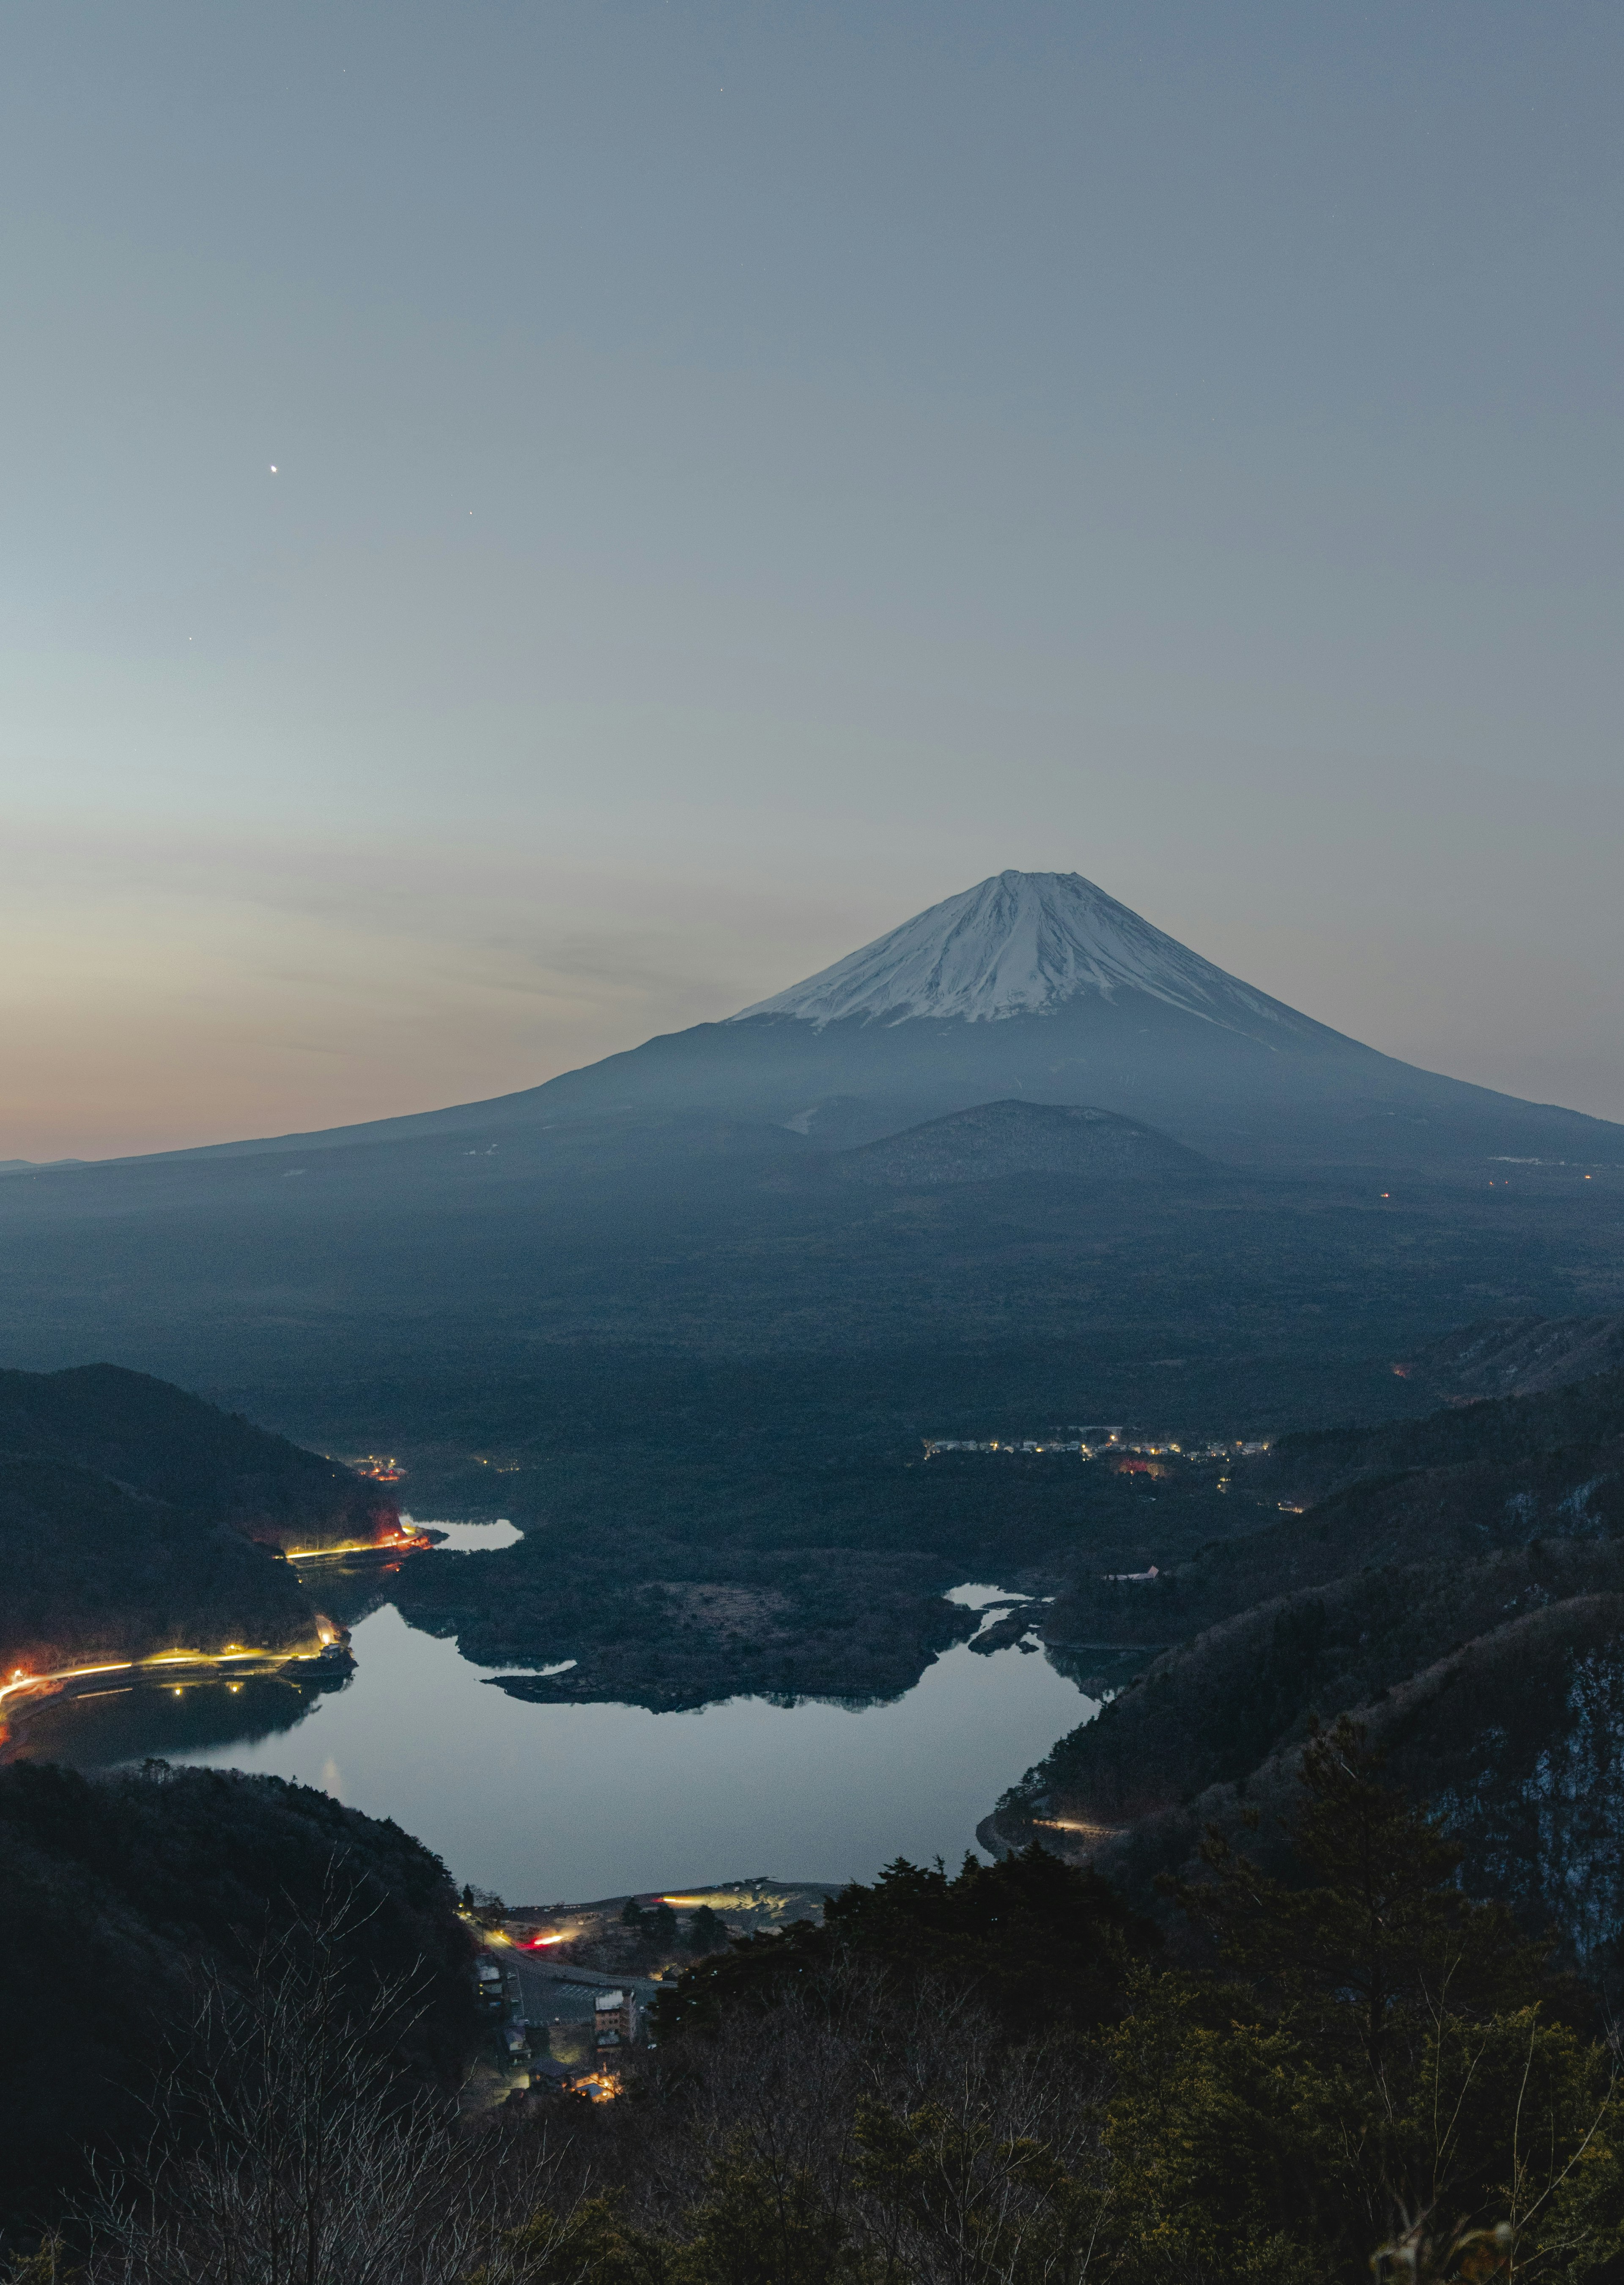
[(1457, 1585), (130, 1905), (993, 2078)]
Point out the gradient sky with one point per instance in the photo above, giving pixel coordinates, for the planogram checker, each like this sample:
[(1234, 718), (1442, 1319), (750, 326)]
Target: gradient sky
[(745, 471)]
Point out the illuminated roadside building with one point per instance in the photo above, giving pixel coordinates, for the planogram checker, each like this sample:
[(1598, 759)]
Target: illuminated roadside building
[(616, 2022)]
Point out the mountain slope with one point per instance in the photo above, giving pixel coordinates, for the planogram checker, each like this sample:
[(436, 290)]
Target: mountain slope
[(160, 1444), (1032, 984), (135, 1519), (1460, 1590), (126, 1898), (1517, 1356)]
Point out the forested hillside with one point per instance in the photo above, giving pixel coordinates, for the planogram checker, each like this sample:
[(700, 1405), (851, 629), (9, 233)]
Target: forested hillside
[(1516, 1356), (1459, 1589), (160, 1443), (135, 1519), (130, 1903), (992, 2077)]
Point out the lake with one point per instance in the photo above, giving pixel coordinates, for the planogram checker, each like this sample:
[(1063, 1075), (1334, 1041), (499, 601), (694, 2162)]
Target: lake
[(568, 1802)]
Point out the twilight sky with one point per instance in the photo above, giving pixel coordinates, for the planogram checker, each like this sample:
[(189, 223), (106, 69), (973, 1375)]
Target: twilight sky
[(743, 472)]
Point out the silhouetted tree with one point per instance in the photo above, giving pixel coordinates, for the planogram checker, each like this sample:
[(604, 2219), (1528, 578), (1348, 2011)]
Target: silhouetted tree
[(706, 1932)]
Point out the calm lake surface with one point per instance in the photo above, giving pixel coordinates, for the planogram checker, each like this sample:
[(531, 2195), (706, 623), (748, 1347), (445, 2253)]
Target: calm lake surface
[(568, 1802)]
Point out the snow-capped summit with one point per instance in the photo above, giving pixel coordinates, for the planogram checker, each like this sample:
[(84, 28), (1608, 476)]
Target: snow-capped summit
[(1031, 990), (1019, 944)]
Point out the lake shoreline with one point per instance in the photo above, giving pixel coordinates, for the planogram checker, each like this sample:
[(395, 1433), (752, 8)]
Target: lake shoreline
[(605, 1798)]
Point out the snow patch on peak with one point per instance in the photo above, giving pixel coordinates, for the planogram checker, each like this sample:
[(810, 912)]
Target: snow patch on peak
[(1017, 944)]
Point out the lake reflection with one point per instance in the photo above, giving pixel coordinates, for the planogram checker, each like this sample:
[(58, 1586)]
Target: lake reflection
[(545, 1802), (170, 1721)]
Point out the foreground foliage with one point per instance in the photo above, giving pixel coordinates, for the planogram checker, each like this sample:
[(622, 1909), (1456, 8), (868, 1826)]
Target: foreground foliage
[(992, 2077), (125, 1900)]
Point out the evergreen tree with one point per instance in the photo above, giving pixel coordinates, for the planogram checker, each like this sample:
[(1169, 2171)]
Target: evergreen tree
[(762, 2223), (706, 1932), (1436, 2106), (1365, 1957)]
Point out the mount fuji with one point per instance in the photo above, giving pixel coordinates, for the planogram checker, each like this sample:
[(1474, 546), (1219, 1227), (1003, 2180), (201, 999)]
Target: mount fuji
[(1037, 987), (1021, 944)]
